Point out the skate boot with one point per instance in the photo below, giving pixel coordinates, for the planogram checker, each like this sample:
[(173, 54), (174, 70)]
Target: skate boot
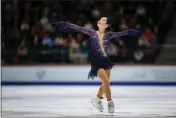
[(97, 103), (111, 107)]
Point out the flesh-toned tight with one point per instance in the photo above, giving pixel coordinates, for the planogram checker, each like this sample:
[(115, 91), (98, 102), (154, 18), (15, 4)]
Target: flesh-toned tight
[(104, 76)]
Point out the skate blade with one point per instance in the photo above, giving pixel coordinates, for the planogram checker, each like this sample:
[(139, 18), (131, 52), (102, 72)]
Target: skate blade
[(112, 114), (95, 106)]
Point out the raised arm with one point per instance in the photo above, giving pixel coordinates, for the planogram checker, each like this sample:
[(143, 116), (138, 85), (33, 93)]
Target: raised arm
[(123, 33), (65, 25)]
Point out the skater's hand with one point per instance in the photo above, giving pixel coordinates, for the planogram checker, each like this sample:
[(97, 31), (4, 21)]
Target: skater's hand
[(133, 32), (61, 24)]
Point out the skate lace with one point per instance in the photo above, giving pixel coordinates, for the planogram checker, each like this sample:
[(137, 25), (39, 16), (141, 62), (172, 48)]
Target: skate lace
[(111, 105), (99, 102)]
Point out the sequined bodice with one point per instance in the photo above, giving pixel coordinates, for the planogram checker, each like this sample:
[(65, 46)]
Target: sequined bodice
[(98, 47)]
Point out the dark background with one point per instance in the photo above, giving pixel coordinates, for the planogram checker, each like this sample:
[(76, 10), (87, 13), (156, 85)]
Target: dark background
[(28, 37)]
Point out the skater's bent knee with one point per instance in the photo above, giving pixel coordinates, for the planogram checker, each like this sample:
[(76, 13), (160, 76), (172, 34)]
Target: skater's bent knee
[(106, 82)]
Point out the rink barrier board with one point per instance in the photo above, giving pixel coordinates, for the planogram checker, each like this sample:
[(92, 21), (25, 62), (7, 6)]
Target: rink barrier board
[(20, 83), (77, 75), (83, 65)]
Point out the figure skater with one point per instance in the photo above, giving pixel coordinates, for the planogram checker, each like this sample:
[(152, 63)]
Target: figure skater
[(100, 64)]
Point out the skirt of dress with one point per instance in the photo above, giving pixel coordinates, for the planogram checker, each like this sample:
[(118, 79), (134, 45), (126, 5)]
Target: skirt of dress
[(97, 63)]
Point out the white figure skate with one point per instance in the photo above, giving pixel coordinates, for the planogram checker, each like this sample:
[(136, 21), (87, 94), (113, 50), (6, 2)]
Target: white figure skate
[(97, 103), (111, 107)]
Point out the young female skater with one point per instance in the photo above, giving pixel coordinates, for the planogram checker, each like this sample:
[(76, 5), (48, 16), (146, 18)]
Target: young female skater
[(100, 64)]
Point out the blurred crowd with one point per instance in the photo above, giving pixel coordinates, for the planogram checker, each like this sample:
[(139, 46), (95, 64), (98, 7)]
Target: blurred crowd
[(28, 35)]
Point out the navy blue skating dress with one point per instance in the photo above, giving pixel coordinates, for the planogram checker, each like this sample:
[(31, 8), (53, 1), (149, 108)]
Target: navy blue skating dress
[(99, 58)]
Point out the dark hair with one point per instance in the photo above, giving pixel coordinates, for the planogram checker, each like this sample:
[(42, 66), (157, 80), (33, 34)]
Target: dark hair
[(108, 21)]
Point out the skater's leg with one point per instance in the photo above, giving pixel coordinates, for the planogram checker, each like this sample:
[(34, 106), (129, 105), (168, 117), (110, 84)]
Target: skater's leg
[(104, 75), (105, 83), (108, 73), (100, 91), (111, 106)]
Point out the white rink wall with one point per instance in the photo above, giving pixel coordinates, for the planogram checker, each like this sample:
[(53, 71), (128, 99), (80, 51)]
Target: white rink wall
[(78, 75)]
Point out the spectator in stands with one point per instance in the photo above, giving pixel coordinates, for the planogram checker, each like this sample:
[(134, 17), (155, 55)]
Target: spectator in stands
[(85, 51), (25, 27), (44, 20), (141, 14), (47, 42), (150, 24), (149, 34), (88, 25), (143, 42), (8, 17), (62, 50), (112, 52), (132, 24), (22, 53), (84, 47), (95, 12), (138, 56), (140, 11), (123, 25), (75, 52), (123, 52)]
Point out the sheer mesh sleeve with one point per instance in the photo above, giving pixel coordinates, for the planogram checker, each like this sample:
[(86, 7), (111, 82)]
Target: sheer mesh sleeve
[(66, 25), (117, 34), (130, 32)]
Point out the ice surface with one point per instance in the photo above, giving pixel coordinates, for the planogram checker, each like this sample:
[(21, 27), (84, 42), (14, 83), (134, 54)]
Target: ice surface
[(73, 101)]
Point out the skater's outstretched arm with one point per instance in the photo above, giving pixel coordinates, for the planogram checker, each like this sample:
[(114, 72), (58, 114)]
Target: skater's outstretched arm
[(66, 25), (123, 33)]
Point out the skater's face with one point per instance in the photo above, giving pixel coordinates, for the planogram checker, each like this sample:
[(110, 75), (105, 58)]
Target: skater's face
[(102, 23)]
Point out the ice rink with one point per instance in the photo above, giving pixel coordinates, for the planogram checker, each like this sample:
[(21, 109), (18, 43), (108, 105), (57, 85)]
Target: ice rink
[(73, 101)]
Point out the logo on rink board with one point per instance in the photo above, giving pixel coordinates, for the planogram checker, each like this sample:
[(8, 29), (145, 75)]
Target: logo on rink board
[(40, 74)]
